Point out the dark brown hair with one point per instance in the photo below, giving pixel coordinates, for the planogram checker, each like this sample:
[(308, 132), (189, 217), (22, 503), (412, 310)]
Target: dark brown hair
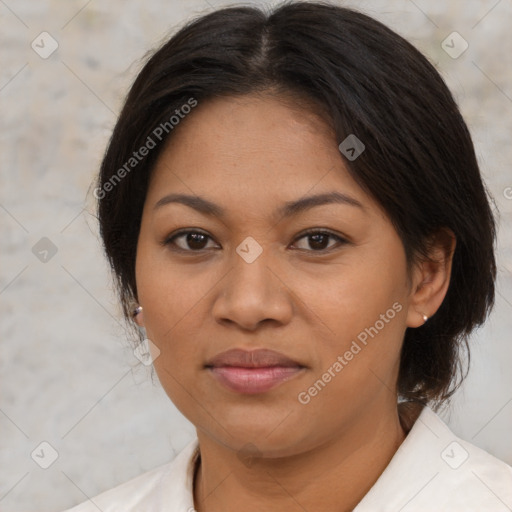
[(419, 163)]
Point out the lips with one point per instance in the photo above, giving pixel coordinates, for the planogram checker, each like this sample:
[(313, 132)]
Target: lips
[(251, 359), (252, 372)]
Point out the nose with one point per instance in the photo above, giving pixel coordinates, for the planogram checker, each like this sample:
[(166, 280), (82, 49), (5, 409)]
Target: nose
[(252, 293)]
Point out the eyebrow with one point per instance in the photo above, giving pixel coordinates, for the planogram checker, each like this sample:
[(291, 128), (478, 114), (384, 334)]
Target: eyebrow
[(289, 208)]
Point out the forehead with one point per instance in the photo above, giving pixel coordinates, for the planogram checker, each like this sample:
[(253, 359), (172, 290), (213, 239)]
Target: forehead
[(251, 150)]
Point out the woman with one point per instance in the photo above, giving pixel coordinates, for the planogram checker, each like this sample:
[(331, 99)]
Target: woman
[(293, 210)]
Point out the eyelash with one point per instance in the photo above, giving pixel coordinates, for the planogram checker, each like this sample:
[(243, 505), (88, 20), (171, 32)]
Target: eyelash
[(169, 241)]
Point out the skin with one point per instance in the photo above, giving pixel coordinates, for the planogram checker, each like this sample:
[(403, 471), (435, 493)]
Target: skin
[(268, 451)]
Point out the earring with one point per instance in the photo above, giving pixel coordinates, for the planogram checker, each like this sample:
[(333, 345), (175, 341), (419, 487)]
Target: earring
[(137, 310), (425, 318)]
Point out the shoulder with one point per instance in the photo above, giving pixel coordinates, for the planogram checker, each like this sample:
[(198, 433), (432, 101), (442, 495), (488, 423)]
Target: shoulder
[(435, 470), (168, 487)]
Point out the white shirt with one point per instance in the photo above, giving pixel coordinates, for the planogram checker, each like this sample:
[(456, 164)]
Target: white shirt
[(433, 470)]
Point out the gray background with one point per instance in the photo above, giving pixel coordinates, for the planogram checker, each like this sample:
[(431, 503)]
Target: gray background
[(68, 375)]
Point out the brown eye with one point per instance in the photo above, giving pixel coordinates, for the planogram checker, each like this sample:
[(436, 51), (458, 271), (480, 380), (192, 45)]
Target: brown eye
[(318, 240), (191, 241), (196, 241)]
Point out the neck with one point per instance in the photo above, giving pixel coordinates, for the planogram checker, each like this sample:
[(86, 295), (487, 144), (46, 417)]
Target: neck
[(334, 476)]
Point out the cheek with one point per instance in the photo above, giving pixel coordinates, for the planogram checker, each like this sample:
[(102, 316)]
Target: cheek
[(364, 305), (358, 364), (175, 299), (166, 291), (172, 305), (351, 297)]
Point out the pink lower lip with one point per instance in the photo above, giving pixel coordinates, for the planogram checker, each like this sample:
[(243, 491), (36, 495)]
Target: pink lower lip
[(253, 380)]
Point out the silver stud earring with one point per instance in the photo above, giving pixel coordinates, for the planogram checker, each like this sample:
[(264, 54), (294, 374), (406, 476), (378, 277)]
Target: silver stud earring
[(137, 310), (425, 318)]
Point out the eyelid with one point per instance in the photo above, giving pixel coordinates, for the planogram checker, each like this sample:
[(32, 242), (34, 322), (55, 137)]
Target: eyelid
[(168, 239), (322, 231), (341, 240)]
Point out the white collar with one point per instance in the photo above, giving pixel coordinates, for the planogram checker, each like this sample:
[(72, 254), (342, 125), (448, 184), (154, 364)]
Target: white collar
[(432, 470)]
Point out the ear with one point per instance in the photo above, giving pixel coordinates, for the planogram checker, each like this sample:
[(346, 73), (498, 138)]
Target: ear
[(139, 319), (431, 278)]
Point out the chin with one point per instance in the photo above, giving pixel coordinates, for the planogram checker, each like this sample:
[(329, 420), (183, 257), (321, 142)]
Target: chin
[(260, 434)]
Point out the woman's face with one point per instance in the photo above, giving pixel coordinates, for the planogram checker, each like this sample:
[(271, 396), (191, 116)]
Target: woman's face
[(335, 310)]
